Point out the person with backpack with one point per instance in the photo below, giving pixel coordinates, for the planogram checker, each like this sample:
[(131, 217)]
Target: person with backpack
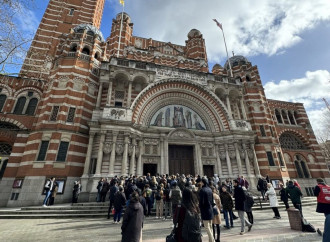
[(216, 211), (175, 196), (147, 192), (76, 191), (322, 192), (120, 201), (167, 201), (271, 195), (187, 219), (206, 204), (113, 190), (294, 193), (248, 204), (284, 196), (159, 201)]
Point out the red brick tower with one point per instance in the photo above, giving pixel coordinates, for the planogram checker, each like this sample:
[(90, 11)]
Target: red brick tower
[(59, 17)]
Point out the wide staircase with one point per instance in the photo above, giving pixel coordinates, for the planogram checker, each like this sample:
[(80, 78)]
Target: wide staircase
[(95, 210)]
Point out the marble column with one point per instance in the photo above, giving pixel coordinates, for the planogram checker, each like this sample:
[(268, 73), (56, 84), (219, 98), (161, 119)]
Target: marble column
[(129, 95), (139, 162), (243, 109), (255, 161), (228, 107), (247, 161), (199, 162), (217, 149), (113, 154), (287, 116), (132, 163), (125, 154), (238, 112), (99, 96), (294, 118), (162, 158), (88, 155), (100, 154), (238, 159), (167, 169), (230, 170), (109, 94)]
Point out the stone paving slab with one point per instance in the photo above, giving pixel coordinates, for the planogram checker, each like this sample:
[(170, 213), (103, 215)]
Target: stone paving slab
[(265, 228)]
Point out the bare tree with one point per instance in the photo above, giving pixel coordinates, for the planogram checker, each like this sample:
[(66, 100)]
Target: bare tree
[(323, 136), (15, 38)]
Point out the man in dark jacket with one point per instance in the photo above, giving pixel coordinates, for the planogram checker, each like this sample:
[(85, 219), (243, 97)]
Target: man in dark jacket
[(104, 189), (322, 192), (294, 194), (239, 196), (175, 196), (133, 220), (120, 201), (262, 187), (206, 203), (113, 190), (227, 206), (284, 196)]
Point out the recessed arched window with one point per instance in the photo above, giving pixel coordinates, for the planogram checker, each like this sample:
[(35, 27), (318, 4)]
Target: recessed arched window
[(291, 142), (20, 105), (32, 106), (248, 79), (295, 114), (304, 169), (85, 51), (278, 117), (73, 48), (298, 168), (291, 118), (285, 117), (96, 56), (2, 101)]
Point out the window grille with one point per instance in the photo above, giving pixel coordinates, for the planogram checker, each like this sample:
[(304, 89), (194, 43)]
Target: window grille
[(20, 105), (155, 150), (62, 151), (147, 149), (2, 101), (210, 152), (270, 158), (53, 116), (262, 130), (43, 150), (204, 151), (71, 113), (280, 158), (32, 106), (119, 95), (5, 149), (141, 65), (123, 63), (291, 142)]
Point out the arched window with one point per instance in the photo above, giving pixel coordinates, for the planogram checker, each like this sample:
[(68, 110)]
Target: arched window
[(278, 117), (295, 114), (291, 118), (298, 168), (285, 117), (85, 51), (73, 48), (20, 105), (96, 56), (291, 142), (32, 106), (2, 101), (248, 79), (304, 169)]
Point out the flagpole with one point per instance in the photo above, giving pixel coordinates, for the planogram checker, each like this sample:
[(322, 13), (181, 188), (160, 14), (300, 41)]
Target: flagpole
[(224, 39), (121, 26)]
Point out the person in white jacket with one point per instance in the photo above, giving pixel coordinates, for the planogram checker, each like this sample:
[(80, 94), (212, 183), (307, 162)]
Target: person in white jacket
[(271, 196)]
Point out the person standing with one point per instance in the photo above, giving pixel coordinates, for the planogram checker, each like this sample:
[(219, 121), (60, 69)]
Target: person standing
[(53, 194), (216, 222), (284, 196), (295, 195), (167, 201), (147, 193), (322, 192), (159, 201), (120, 201), (206, 203), (175, 196), (99, 187), (271, 194), (248, 204), (131, 229), (113, 190), (227, 206), (76, 191), (104, 189), (244, 183), (239, 196), (262, 187), (48, 188)]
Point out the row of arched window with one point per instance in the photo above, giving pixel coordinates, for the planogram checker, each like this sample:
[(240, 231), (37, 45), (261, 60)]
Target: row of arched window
[(85, 50), (24, 104), (286, 116)]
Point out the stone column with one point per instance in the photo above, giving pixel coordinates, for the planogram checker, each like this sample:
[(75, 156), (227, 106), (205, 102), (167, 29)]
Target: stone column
[(109, 94), (132, 163), (99, 96), (238, 159), (113, 154), (162, 158), (139, 162), (218, 160), (199, 162), (283, 122), (294, 118), (243, 109), (124, 162), (287, 116), (255, 161), (238, 112), (247, 161), (88, 155), (167, 169), (228, 107), (230, 170), (100, 154), (129, 95)]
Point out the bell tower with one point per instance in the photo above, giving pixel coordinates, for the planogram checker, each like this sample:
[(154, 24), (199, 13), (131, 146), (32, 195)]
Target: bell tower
[(59, 18)]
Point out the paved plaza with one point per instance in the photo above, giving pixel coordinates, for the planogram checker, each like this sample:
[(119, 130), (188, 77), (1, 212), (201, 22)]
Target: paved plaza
[(265, 228)]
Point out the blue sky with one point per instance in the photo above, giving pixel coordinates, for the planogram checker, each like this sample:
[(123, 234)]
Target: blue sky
[(287, 40)]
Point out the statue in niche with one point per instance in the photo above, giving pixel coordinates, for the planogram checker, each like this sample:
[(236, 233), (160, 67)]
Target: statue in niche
[(188, 118), (178, 120), (167, 117), (198, 125), (159, 119)]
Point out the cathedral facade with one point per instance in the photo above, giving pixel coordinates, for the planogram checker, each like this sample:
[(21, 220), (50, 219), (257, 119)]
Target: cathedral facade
[(86, 107)]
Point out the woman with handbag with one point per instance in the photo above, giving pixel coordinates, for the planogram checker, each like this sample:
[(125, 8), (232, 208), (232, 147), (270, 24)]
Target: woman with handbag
[(216, 211)]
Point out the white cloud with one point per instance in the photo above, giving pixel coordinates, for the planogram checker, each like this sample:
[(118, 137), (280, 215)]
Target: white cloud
[(308, 90), (27, 21), (252, 27)]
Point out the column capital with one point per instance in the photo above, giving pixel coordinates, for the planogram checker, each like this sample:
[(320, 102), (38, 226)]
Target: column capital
[(103, 132), (92, 134)]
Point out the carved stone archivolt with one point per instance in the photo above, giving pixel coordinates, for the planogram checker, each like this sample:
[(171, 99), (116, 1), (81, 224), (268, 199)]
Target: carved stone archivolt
[(107, 148), (151, 141)]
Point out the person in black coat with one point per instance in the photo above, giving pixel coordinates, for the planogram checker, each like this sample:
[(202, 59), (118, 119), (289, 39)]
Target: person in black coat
[(284, 196), (240, 198), (206, 203), (120, 201), (131, 228), (262, 187), (113, 190)]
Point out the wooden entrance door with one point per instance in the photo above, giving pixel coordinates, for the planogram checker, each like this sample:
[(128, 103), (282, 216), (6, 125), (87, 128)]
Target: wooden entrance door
[(208, 170), (181, 159), (150, 168)]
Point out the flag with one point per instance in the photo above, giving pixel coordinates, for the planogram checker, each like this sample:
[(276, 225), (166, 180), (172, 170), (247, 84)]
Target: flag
[(122, 2), (219, 24)]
